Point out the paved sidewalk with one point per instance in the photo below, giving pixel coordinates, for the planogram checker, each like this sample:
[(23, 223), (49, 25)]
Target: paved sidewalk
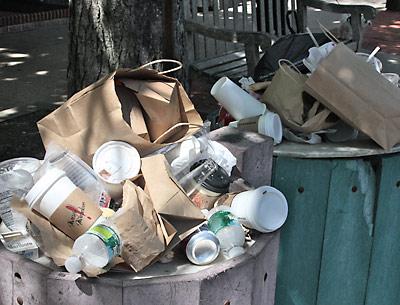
[(33, 67)]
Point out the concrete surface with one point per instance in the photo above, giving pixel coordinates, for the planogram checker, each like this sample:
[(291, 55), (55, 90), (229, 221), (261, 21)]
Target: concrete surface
[(33, 66)]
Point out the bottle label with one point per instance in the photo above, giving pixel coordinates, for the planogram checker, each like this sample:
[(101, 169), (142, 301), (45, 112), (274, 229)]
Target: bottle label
[(221, 219), (109, 237)]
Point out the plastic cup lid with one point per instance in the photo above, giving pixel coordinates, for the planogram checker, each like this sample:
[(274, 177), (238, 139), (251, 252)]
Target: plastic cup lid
[(218, 181), (42, 186), (116, 161)]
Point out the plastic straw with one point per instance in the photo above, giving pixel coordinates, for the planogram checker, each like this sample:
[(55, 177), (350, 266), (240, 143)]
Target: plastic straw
[(312, 37), (376, 50)]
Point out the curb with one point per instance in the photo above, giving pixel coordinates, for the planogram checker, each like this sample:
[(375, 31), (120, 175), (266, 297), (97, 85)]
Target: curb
[(22, 22)]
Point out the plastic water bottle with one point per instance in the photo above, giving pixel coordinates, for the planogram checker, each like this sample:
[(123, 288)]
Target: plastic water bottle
[(94, 249), (228, 231)]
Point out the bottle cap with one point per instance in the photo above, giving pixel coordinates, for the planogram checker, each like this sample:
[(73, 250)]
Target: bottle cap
[(73, 264), (235, 251)]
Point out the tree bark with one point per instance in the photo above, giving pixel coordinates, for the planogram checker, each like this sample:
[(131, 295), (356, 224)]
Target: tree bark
[(110, 34)]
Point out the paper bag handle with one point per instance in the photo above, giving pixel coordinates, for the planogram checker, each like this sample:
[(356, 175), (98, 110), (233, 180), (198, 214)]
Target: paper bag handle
[(291, 65), (328, 33), (169, 130), (179, 65), (287, 61)]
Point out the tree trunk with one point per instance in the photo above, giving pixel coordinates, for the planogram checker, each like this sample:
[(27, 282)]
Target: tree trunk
[(110, 34)]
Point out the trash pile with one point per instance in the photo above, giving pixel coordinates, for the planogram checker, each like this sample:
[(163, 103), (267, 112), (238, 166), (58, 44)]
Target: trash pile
[(337, 95), (129, 173)]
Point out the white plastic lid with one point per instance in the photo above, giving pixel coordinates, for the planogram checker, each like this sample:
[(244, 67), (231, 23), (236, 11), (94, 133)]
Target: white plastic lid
[(42, 186), (73, 264), (235, 251), (270, 125), (272, 209), (116, 161)]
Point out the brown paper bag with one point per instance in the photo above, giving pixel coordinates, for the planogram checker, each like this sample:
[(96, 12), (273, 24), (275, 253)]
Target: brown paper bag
[(167, 197), (53, 242), (93, 116), (360, 96), (138, 227), (297, 110), (175, 208)]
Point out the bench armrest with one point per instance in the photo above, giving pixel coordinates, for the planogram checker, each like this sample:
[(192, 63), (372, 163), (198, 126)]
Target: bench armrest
[(252, 40), (244, 37)]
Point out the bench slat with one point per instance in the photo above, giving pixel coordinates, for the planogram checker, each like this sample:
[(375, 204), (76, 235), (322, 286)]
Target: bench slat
[(208, 63)]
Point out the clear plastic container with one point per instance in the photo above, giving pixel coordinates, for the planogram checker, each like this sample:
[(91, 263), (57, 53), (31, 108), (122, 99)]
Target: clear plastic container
[(228, 231), (94, 249), (13, 183), (78, 172)]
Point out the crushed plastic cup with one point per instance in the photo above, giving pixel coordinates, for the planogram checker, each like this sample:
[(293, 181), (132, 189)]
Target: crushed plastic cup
[(14, 183), (114, 162), (82, 175), (28, 164), (235, 100), (264, 209)]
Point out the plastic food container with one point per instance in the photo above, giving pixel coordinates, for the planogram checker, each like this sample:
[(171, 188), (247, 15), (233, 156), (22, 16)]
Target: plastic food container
[(210, 181)]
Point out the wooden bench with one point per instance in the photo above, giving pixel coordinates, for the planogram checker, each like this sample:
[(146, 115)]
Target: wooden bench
[(225, 38)]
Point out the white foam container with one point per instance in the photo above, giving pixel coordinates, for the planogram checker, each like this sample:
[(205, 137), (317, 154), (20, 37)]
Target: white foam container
[(264, 209), (49, 192), (120, 160), (235, 100)]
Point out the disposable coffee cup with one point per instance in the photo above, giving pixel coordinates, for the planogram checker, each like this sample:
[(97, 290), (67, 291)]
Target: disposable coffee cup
[(268, 124), (264, 209), (235, 100), (114, 162), (64, 204)]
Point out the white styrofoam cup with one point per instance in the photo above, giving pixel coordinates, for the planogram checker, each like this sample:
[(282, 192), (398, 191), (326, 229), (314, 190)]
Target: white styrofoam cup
[(264, 209)]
